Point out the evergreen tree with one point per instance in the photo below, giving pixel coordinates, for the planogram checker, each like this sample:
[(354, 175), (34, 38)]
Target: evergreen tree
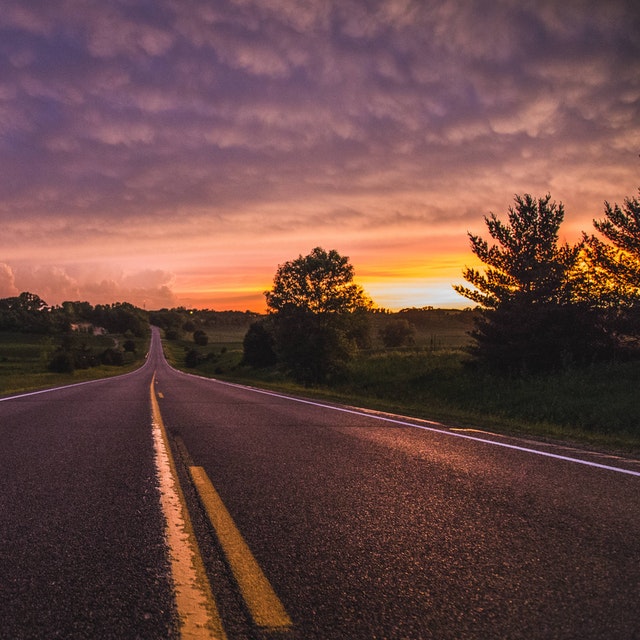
[(532, 320), (527, 264), (620, 260), (613, 271)]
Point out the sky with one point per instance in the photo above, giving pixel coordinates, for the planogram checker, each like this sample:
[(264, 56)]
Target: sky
[(175, 152)]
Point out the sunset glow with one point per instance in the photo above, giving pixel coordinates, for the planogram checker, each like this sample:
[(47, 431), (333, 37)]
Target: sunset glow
[(176, 152)]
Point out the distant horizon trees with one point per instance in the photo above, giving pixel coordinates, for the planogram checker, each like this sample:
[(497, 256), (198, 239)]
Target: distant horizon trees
[(548, 305), (28, 313)]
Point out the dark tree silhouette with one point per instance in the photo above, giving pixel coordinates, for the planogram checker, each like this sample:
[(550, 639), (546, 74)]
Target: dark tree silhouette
[(317, 315), (532, 320)]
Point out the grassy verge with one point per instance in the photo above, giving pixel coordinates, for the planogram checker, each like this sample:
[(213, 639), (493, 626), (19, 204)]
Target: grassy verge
[(596, 407), (24, 360)]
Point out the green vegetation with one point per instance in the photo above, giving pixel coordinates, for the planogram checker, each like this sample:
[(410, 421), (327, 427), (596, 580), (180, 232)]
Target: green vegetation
[(25, 359), (43, 346), (214, 347), (433, 379)]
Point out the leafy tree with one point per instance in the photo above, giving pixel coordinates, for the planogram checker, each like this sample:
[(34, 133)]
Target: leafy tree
[(259, 345), (532, 320), (316, 310), (321, 282), (121, 317), (26, 312), (398, 333)]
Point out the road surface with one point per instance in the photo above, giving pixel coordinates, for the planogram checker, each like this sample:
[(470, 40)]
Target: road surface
[(302, 520)]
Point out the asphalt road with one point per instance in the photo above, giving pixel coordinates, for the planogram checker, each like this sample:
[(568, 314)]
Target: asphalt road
[(366, 526)]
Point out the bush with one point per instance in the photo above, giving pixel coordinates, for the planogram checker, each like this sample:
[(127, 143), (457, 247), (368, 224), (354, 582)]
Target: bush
[(192, 359), (398, 333), (129, 346), (112, 357), (62, 362), (200, 338), (259, 345)]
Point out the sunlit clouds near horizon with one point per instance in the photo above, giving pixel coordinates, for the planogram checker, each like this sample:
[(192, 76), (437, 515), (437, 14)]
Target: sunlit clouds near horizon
[(175, 152)]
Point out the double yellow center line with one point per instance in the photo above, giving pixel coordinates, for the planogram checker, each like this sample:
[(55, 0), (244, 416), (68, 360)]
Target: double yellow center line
[(262, 602)]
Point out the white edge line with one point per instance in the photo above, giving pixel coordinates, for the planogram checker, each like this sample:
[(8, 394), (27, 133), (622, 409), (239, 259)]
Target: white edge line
[(437, 426), (70, 386)]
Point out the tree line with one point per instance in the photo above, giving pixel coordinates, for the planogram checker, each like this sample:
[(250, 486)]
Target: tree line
[(28, 313), (547, 305), (68, 322), (543, 305)]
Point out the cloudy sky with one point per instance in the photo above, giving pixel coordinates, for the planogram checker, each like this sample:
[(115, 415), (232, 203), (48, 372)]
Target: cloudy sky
[(174, 152)]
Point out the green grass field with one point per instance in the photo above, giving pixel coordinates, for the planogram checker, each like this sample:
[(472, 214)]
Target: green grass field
[(24, 360)]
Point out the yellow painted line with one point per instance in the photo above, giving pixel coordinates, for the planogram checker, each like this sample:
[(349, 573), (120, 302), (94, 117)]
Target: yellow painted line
[(264, 605), (197, 609)]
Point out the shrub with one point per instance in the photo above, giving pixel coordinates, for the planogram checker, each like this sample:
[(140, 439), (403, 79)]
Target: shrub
[(129, 346), (112, 357), (398, 333), (62, 362), (200, 338), (259, 345), (192, 359)]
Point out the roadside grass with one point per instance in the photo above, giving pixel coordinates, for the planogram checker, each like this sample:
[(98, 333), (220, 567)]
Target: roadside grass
[(24, 360), (596, 407)]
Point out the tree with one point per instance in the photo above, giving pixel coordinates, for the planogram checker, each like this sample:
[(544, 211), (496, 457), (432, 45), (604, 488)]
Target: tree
[(321, 282), (527, 263), (532, 320), (612, 270), (259, 345), (200, 338), (317, 315), (26, 312), (620, 260)]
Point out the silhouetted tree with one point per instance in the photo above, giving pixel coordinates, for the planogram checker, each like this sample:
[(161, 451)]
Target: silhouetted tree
[(259, 345), (316, 310), (611, 272), (621, 226), (532, 320), (26, 312)]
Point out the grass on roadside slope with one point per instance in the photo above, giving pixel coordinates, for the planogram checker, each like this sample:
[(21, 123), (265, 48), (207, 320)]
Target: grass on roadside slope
[(598, 406), (24, 360)]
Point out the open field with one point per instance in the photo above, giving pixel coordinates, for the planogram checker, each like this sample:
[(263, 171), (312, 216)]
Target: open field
[(598, 406), (24, 360)]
